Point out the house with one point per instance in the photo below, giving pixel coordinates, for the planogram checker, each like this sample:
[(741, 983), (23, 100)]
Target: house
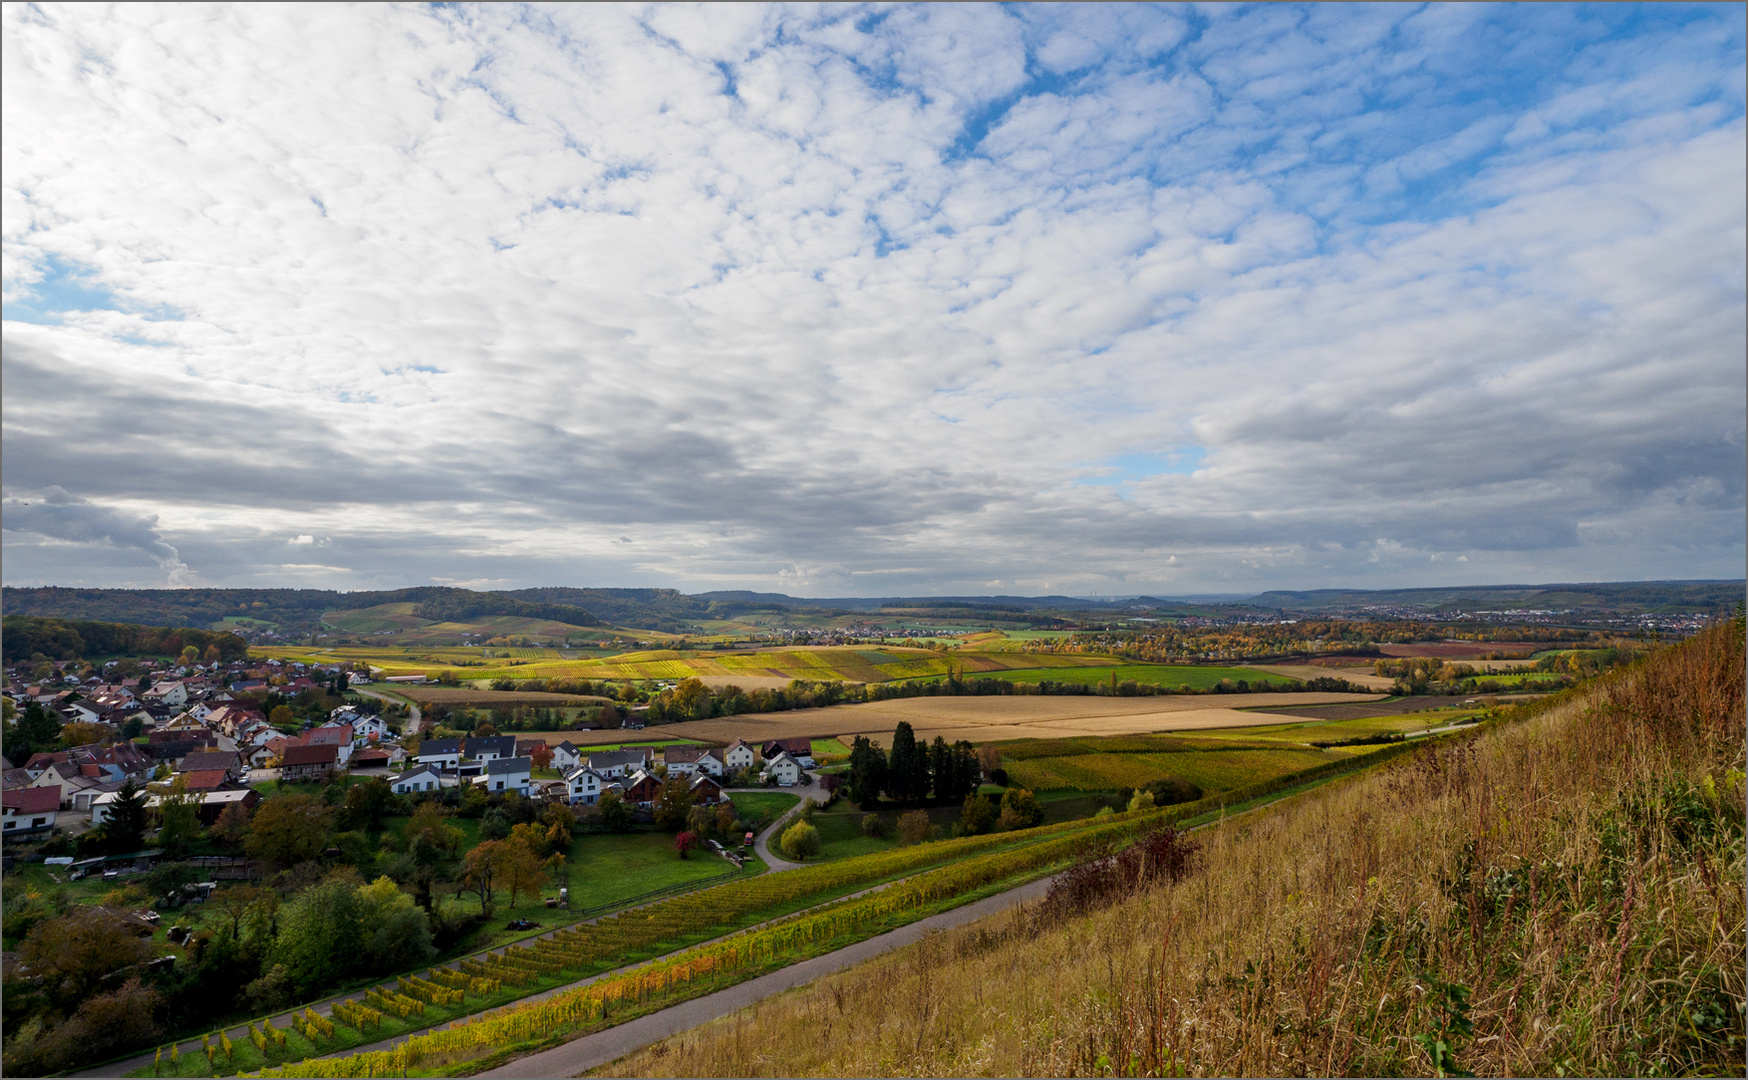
[(116, 762), (339, 736), (228, 762), (15, 778), (308, 762), (617, 763), (686, 760), (36, 763), (740, 755), (195, 736), (422, 778), (705, 790), (526, 747), (507, 774), (63, 779), (443, 753), (173, 694), (369, 729), (643, 789), (214, 803), (782, 768), (184, 722), (205, 780), (566, 757), (584, 786), (29, 809), (799, 749), (78, 712), (487, 748)]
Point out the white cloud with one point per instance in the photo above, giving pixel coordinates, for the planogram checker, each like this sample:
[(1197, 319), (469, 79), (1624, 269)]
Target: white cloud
[(532, 297)]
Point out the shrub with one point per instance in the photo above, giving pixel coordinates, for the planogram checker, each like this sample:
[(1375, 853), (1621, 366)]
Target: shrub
[(977, 816), (914, 827), (1020, 809), (801, 840), (873, 826)]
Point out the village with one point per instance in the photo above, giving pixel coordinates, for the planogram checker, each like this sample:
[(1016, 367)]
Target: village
[(201, 732)]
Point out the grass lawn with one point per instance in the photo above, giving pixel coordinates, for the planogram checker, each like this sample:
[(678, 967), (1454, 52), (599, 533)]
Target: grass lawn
[(828, 746), (1167, 675), (762, 805)]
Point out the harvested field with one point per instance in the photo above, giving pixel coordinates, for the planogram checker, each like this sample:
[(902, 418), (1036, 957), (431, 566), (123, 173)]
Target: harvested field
[(988, 719), (610, 740), (1359, 676), (1464, 650), (746, 682), (484, 699)]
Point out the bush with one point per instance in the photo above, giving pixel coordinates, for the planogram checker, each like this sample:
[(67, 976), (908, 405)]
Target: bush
[(1020, 809), (1141, 800), (873, 826), (801, 840), (914, 827), (977, 816)]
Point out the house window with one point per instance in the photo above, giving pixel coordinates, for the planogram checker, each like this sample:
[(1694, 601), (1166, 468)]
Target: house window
[(500, 785)]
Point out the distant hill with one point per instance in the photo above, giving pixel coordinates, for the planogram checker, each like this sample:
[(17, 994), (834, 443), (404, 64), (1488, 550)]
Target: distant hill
[(1622, 597), (301, 611)]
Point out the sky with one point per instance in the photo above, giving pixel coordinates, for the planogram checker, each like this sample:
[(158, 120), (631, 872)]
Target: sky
[(872, 301)]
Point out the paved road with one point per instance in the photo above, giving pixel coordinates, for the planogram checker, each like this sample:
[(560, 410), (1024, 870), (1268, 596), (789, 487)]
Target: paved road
[(762, 842), (413, 718), (591, 1051)]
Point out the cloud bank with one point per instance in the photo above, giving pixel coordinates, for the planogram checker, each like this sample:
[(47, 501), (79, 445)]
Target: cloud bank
[(872, 300)]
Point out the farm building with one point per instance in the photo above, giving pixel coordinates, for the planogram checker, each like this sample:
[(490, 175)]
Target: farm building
[(308, 762)]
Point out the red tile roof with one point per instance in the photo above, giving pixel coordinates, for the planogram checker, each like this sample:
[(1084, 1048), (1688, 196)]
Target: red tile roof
[(205, 779), (310, 755), (32, 800)]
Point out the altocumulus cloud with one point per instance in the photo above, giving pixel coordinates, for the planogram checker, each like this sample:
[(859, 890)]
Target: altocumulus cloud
[(872, 300)]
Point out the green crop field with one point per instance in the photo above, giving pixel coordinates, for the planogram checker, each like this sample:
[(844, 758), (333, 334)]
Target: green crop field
[(1211, 770)]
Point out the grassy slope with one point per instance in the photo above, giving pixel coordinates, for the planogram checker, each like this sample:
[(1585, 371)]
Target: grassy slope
[(1570, 881)]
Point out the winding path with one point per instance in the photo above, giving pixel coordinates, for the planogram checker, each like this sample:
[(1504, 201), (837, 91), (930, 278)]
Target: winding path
[(414, 720)]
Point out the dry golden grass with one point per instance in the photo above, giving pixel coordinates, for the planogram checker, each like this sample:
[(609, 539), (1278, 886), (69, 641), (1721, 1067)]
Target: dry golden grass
[(1577, 876)]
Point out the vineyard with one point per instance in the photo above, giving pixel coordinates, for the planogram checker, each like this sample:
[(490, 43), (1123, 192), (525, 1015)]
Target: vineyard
[(711, 967), (445, 993)]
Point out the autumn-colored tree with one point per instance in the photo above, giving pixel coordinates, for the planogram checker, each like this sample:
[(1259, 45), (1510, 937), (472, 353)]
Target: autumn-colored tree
[(674, 805), (479, 871), (914, 827), (282, 716), (429, 836), (74, 953), (81, 733), (541, 755), (685, 841), (288, 829)]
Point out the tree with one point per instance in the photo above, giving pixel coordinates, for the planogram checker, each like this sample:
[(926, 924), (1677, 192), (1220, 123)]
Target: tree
[(497, 865), (321, 932), (914, 827), (560, 820), (873, 826), (801, 840), (685, 841), (366, 804), (429, 836), (125, 826), (615, 814), (396, 933), (541, 755), (495, 825), (74, 953), (977, 816), (867, 772), (674, 806), (1020, 809), (907, 766), (1141, 800), (282, 717), (231, 827), (37, 730), (81, 733), (178, 818), (988, 759), (131, 728), (288, 829)]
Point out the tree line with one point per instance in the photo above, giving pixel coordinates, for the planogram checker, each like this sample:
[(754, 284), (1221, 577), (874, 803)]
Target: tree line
[(27, 636)]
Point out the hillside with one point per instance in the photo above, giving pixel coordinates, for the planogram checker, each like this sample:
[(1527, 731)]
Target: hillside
[(1625, 598), (1559, 894)]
